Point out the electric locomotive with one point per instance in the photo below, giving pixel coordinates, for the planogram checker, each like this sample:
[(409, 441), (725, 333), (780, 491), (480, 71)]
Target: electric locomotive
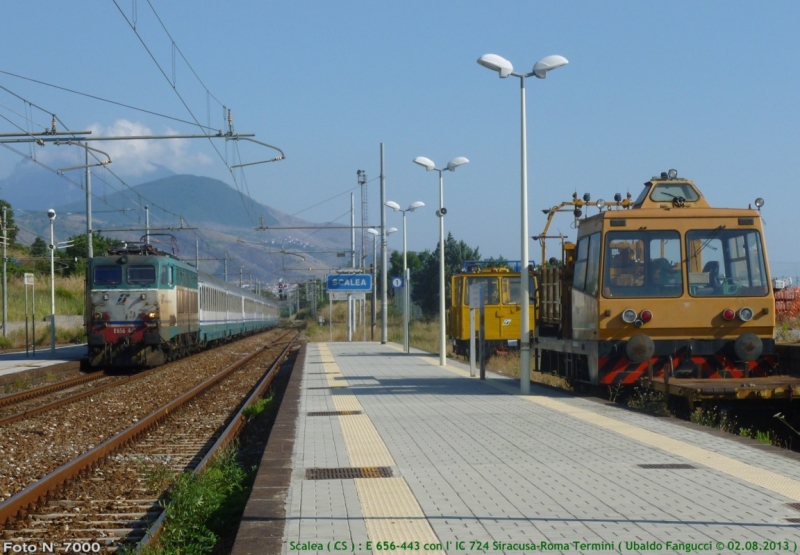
[(667, 287), (499, 285), (147, 307)]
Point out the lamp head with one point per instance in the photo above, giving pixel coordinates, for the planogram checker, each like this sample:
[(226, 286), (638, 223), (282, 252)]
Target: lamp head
[(547, 63), (414, 205), (391, 230), (455, 162), (426, 163), (373, 231), (393, 205), (496, 63), (51, 214)]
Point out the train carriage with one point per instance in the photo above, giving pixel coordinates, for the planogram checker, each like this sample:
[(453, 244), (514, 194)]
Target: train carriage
[(147, 307), (668, 288)]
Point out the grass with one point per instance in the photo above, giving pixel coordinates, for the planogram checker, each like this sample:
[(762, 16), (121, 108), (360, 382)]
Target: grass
[(69, 297), (200, 507)]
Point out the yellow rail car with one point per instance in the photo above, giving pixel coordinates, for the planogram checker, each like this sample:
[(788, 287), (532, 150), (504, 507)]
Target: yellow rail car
[(500, 285), (664, 288)]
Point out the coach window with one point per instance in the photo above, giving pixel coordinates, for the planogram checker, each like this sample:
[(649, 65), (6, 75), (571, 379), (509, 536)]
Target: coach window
[(141, 274), (107, 275), (581, 261), (511, 290)]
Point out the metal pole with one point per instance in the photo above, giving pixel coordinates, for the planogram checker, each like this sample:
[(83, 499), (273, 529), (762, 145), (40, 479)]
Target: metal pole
[(147, 224), (384, 279), (89, 246), (525, 341), (5, 281), (374, 285), (442, 340), (405, 288), (52, 287)]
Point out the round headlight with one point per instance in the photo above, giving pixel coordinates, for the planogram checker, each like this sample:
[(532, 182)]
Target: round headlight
[(629, 316), (759, 202), (672, 174), (745, 314), (600, 204), (728, 314)]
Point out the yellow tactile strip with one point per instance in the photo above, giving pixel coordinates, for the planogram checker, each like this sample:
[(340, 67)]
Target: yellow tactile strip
[(364, 445), (392, 514), (783, 485), (382, 501)]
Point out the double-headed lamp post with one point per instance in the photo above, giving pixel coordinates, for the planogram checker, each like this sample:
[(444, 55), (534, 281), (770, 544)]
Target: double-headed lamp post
[(504, 68), (428, 164), (406, 286), (51, 214)]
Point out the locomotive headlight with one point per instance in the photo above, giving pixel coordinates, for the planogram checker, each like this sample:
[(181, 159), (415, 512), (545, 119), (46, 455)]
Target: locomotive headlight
[(600, 204), (672, 174), (629, 316), (97, 316), (745, 314), (728, 314), (151, 315)]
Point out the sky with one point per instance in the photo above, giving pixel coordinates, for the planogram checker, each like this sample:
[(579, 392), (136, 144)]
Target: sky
[(708, 88)]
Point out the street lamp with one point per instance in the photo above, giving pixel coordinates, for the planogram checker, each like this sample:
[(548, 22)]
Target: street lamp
[(406, 274), (51, 214), (504, 68), (375, 234), (428, 164)]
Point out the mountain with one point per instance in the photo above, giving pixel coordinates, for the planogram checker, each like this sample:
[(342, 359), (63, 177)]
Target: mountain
[(193, 210)]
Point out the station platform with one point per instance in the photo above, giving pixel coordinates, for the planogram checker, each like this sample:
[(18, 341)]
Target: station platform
[(380, 451), (32, 364)]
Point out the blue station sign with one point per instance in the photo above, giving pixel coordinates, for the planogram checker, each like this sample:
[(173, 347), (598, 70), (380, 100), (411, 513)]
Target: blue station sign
[(350, 282)]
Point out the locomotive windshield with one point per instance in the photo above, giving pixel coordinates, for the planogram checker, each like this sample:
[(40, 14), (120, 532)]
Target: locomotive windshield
[(642, 264), (107, 275), (144, 274), (726, 262)]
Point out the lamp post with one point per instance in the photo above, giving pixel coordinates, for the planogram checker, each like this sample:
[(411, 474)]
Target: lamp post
[(428, 164), (51, 214), (375, 234), (406, 274), (504, 68)]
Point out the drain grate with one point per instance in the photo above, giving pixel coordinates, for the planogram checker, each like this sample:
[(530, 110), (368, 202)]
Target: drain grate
[(793, 520), (334, 413), (673, 466), (795, 506), (348, 473)]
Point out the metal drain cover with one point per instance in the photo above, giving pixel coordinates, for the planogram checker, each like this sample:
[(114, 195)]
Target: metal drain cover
[(348, 473), (673, 466), (334, 413)]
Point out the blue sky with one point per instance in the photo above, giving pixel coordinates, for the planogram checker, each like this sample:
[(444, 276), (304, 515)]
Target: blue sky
[(709, 88)]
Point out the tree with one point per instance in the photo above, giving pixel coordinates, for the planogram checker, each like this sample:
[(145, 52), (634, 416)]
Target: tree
[(425, 281), (11, 228), (76, 252), (39, 248)]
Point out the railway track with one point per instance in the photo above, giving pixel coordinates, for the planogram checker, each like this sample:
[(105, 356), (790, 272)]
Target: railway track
[(107, 496)]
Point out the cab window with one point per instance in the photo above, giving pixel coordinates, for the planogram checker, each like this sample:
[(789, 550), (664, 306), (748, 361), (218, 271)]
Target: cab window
[(107, 275), (141, 274), (489, 288)]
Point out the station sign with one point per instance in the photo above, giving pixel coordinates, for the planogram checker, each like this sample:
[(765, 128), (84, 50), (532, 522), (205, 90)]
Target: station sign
[(350, 282)]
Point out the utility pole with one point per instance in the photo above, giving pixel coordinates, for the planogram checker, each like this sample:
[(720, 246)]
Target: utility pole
[(5, 282), (384, 276)]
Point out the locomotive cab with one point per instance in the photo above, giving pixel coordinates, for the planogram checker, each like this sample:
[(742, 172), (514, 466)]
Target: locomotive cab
[(669, 287)]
